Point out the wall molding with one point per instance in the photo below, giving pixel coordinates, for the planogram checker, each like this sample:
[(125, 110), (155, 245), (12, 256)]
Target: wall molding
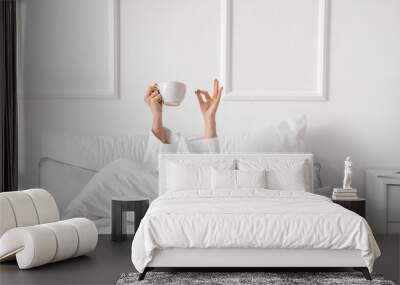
[(319, 94), (71, 93)]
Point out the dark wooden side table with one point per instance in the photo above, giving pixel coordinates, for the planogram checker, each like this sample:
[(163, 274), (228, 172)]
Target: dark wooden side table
[(355, 205), (119, 207)]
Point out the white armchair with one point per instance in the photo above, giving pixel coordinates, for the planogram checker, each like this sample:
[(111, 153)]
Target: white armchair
[(31, 233)]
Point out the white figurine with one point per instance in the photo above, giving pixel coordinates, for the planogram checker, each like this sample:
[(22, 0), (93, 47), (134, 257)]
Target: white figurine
[(347, 174)]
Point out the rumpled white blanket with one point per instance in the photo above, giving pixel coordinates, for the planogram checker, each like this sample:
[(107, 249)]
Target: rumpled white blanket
[(131, 178), (251, 218)]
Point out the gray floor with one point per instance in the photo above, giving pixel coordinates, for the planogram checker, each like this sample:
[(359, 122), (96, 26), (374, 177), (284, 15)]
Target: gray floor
[(109, 260)]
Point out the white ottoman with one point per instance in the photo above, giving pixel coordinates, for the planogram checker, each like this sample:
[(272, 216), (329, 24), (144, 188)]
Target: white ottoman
[(31, 233)]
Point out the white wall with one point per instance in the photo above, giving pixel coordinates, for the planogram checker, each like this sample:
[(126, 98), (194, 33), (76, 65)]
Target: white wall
[(180, 40)]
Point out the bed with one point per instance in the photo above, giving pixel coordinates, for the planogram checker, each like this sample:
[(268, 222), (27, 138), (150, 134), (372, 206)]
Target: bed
[(201, 220)]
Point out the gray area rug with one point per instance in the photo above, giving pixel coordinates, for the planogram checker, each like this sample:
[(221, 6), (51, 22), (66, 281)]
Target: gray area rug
[(225, 278)]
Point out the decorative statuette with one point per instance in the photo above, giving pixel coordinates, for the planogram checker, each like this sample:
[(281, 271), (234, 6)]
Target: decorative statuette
[(347, 174)]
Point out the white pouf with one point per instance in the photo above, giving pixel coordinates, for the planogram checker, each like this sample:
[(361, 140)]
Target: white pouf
[(31, 233)]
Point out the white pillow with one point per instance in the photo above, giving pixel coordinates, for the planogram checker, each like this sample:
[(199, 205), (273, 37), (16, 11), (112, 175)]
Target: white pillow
[(119, 178), (182, 177), (223, 179), (251, 178), (237, 179), (284, 136), (291, 175), (187, 174)]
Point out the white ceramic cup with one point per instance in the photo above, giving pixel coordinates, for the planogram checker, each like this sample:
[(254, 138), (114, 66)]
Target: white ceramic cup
[(172, 92)]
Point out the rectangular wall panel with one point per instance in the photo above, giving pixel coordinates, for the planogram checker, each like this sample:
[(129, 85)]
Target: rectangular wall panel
[(274, 49), (393, 202), (68, 48)]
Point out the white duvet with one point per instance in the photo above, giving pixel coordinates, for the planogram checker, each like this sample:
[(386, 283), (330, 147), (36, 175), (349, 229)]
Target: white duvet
[(250, 218)]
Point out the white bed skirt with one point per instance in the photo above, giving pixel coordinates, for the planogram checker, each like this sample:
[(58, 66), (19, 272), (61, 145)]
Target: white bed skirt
[(192, 257)]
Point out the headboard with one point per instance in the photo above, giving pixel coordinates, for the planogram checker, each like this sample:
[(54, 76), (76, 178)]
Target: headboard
[(165, 158)]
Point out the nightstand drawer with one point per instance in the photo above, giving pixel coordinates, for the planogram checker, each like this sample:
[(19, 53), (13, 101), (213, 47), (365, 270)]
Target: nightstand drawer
[(357, 206), (393, 228), (393, 201)]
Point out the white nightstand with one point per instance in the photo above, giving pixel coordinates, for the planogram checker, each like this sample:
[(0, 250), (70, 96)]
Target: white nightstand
[(383, 200)]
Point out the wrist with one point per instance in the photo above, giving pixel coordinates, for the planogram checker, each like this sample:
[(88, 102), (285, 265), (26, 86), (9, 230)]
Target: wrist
[(210, 127), (209, 119), (157, 116), (158, 128)]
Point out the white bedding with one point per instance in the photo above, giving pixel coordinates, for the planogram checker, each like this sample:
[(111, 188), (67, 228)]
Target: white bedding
[(69, 162), (120, 178), (250, 218)]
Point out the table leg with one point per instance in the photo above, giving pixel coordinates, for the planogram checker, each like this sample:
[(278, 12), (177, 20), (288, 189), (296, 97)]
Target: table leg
[(118, 223)]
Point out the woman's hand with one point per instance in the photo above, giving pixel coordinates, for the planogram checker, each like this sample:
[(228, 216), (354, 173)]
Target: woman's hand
[(209, 107), (208, 104), (154, 100)]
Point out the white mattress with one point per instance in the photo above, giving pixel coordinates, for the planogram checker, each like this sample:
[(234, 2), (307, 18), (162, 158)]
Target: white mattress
[(253, 218)]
